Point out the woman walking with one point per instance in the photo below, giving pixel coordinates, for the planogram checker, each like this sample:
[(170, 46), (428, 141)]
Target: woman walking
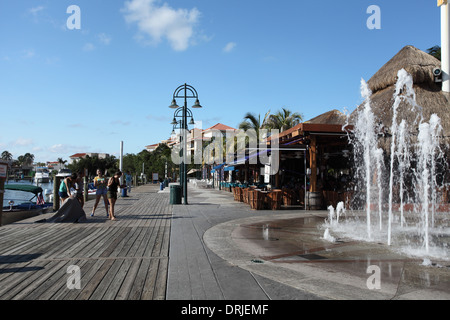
[(100, 185), (113, 185)]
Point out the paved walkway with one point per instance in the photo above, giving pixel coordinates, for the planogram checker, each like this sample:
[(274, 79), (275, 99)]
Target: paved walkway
[(212, 249), (198, 273), (221, 249)]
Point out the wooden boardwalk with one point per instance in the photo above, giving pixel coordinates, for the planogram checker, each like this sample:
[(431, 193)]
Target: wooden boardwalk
[(125, 259)]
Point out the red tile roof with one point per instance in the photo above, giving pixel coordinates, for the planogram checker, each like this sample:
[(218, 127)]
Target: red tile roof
[(220, 127), (78, 155)]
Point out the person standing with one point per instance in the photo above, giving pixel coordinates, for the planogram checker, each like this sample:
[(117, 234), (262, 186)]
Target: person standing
[(100, 184), (113, 186), (128, 180), (66, 186), (79, 185)]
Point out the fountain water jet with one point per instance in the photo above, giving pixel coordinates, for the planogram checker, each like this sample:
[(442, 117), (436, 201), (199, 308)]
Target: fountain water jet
[(428, 148), (412, 166), (365, 142), (403, 164)]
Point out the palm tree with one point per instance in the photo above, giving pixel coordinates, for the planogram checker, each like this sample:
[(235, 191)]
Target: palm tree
[(62, 162), (284, 120), (28, 158), (253, 122), (435, 52), (6, 155)]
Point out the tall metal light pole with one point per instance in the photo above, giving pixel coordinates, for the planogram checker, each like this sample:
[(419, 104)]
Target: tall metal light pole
[(185, 92)]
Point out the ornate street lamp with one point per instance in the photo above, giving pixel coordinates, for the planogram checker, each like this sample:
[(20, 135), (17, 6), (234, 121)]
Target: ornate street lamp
[(185, 92)]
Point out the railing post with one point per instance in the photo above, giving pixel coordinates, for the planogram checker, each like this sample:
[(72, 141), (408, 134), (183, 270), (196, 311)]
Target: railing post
[(56, 182)]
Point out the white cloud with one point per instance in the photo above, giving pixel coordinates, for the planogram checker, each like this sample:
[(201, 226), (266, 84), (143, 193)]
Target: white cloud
[(36, 10), (57, 148), (162, 21), (52, 60), (66, 149), (22, 142), (120, 122), (28, 54), (229, 47), (104, 38), (164, 119), (88, 47)]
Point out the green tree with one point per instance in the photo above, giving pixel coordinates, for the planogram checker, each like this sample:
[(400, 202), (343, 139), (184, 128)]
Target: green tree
[(254, 122), (159, 158), (28, 158), (284, 120), (61, 161), (6, 155), (25, 160), (109, 165), (149, 162), (435, 52)]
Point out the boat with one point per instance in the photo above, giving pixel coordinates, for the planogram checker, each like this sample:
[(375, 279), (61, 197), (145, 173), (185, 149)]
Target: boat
[(92, 189), (64, 173), (42, 175), (25, 209)]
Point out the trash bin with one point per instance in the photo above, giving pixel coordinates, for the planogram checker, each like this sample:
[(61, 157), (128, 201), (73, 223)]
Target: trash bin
[(124, 192), (175, 194), (161, 186), (166, 183)]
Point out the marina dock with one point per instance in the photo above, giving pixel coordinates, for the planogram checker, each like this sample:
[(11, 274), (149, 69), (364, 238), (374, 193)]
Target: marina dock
[(124, 259)]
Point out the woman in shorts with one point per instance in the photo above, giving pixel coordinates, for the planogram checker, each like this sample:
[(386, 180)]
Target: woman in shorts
[(101, 189), (65, 186), (113, 186)]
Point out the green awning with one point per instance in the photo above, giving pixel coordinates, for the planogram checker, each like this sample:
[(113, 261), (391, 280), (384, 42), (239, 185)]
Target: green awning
[(24, 187)]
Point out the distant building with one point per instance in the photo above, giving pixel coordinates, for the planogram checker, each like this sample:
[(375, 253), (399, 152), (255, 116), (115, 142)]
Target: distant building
[(208, 133), (152, 147), (78, 156), (55, 165), (195, 138)]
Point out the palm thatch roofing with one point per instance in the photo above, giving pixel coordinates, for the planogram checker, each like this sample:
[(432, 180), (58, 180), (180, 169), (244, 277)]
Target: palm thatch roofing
[(429, 95), (330, 117)]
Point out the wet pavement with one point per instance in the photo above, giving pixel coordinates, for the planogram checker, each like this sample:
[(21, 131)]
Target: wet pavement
[(287, 247), (297, 244)]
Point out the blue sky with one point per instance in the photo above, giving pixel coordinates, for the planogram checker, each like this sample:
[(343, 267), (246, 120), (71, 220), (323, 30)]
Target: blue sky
[(66, 91)]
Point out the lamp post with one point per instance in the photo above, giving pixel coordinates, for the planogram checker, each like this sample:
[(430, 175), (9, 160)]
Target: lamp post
[(179, 125), (185, 92)]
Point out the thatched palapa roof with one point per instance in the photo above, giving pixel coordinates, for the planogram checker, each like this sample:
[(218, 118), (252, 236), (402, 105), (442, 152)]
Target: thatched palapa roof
[(429, 95), (330, 117), (416, 62)]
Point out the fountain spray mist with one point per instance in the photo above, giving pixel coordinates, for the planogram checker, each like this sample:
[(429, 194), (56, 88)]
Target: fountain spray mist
[(427, 151), (404, 80), (416, 165)]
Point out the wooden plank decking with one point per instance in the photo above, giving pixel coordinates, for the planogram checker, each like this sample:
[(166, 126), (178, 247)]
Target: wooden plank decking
[(125, 259)]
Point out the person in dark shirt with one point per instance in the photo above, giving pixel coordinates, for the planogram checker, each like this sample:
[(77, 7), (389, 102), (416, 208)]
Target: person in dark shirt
[(113, 186)]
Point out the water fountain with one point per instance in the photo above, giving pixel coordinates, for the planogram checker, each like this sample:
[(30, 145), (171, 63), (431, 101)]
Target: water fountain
[(407, 183)]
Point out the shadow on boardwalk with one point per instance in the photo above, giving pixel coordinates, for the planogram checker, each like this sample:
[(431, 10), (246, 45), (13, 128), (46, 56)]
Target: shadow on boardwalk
[(125, 259)]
